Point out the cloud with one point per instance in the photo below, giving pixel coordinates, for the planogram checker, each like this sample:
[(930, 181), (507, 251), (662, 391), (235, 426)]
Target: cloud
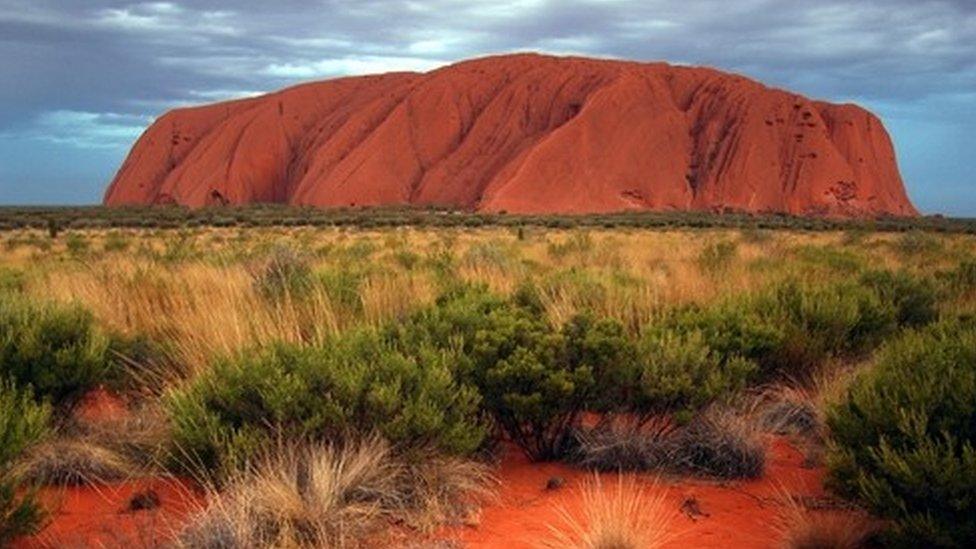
[(159, 17), (351, 66), (83, 129)]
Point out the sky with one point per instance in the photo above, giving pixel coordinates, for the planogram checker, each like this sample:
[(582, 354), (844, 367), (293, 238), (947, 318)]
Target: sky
[(80, 80)]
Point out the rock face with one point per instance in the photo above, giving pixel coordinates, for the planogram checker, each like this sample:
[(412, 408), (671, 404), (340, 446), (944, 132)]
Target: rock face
[(524, 133)]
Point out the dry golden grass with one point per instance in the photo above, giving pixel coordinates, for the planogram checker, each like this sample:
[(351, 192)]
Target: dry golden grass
[(799, 527), (72, 462), (194, 289), (624, 515), (324, 496)]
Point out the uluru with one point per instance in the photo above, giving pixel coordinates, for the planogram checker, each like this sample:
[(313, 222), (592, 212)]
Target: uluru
[(524, 133)]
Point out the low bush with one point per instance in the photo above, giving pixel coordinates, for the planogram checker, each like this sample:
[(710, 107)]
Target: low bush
[(791, 413), (115, 242), (680, 373), (577, 242), (917, 242), (717, 257), (732, 328), (77, 244), (535, 380), (904, 437), (835, 259), (532, 388), (11, 280), (790, 329), (23, 422), (352, 385), (821, 321), (914, 299), (285, 274), (962, 279), (716, 443), (343, 288), (55, 349)]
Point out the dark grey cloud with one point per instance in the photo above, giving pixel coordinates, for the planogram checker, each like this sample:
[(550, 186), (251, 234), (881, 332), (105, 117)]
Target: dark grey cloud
[(89, 75)]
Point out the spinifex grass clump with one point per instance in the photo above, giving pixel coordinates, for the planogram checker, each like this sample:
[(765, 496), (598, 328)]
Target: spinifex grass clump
[(23, 422), (621, 515), (717, 444), (800, 527), (904, 438), (324, 495), (351, 385)]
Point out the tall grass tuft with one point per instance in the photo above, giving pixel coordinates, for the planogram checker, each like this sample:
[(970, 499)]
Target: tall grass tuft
[(624, 515), (330, 496)]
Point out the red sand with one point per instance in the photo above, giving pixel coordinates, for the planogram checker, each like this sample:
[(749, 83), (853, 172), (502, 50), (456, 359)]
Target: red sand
[(528, 134), (736, 514), (99, 516), (100, 405)]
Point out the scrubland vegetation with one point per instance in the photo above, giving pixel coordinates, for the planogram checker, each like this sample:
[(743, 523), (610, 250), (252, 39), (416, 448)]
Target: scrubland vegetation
[(331, 384)]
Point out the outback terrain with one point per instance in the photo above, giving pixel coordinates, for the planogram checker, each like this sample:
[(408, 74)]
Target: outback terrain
[(234, 378)]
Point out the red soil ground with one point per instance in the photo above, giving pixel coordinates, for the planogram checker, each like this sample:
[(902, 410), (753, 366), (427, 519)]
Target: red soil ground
[(735, 514), (524, 134), (99, 516)]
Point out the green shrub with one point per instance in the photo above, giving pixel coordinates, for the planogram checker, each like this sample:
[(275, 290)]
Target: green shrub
[(793, 327), (455, 318), (343, 287), (733, 328), (23, 422), (917, 243), (53, 348), (914, 299), (904, 437), (820, 321), (586, 288), (11, 280), (535, 381), (115, 242), (353, 385), (963, 278), (717, 257), (407, 259), (840, 260), (578, 242), (489, 254), (680, 373), (77, 244), (286, 274), (603, 346)]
